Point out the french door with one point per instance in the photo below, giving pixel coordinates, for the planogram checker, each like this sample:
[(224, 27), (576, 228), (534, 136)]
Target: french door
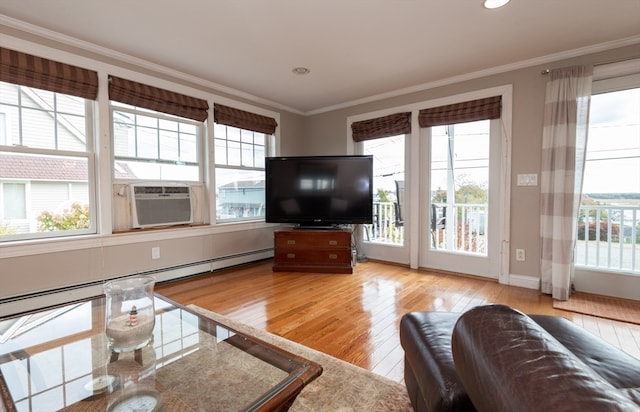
[(462, 197)]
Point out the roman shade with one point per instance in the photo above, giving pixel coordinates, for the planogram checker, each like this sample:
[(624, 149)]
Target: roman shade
[(160, 100), (32, 71), (391, 125), (471, 111), (241, 119)]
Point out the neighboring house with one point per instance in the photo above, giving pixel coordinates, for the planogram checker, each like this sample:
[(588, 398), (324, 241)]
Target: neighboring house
[(241, 199), (32, 185)]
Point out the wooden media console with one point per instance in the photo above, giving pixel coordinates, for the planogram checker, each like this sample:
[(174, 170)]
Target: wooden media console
[(302, 250)]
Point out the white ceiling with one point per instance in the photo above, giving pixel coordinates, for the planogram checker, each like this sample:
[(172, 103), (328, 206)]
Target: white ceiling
[(355, 49)]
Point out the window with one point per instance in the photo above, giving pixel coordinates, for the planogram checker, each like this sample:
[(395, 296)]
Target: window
[(148, 145), (3, 129), (388, 189), (14, 200), (241, 141), (46, 156), (609, 218), (459, 186), (239, 173)]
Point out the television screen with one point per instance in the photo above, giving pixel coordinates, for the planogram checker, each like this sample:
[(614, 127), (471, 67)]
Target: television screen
[(319, 190)]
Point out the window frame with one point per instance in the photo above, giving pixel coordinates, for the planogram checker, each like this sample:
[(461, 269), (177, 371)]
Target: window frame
[(88, 155), (200, 136), (611, 78), (269, 150)]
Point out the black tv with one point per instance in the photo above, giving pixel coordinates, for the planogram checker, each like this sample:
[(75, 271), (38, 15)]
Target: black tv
[(319, 191)]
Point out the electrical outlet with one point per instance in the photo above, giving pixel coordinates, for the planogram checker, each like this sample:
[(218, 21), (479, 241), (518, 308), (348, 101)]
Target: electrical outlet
[(520, 255), (155, 252)]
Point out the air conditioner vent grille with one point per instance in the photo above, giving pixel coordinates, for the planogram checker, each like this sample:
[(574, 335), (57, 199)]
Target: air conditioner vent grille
[(161, 206)]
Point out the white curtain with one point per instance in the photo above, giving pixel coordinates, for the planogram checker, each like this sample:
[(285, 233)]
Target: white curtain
[(564, 142)]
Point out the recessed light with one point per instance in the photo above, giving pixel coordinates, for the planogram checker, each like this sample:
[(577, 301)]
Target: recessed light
[(494, 4), (300, 70)]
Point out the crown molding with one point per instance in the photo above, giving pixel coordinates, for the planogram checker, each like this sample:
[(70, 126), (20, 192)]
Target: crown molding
[(104, 51), (484, 73)]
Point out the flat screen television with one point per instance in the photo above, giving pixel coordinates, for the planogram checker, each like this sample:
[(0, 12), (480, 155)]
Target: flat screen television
[(319, 191)]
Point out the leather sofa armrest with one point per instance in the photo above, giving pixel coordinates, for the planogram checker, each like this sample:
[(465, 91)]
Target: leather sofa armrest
[(507, 362)]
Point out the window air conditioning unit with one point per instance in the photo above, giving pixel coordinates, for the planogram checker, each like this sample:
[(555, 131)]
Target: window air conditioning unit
[(161, 205)]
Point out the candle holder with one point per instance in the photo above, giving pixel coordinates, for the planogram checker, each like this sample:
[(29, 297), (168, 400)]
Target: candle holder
[(130, 313)]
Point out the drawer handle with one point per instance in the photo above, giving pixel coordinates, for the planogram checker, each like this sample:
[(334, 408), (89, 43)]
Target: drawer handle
[(333, 256), (291, 255), (291, 242), (333, 242)]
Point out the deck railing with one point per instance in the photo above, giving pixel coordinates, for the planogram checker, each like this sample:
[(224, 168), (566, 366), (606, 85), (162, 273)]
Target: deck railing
[(609, 238), (465, 221), (387, 226), (612, 243)]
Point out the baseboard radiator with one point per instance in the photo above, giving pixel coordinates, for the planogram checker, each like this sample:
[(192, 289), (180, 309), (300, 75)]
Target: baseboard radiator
[(24, 303)]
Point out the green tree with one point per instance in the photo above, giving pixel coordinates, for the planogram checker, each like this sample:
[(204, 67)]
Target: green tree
[(470, 192), (467, 191), (439, 196), (383, 195), (5, 230)]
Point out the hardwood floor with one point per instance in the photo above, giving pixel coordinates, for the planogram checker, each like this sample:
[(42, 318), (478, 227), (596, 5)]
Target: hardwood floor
[(355, 317)]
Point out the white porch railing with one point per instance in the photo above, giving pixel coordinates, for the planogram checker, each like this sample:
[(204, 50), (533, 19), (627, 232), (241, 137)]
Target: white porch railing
[(609, 238), (386, 227), (467, 223), (613, 240)]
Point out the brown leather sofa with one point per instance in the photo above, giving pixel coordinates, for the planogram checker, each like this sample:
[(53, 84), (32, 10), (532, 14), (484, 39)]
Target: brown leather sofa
[(495, 358)]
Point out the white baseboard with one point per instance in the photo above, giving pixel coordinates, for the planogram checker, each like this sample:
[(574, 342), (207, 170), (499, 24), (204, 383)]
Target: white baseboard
[(26, 303), (523, 281)]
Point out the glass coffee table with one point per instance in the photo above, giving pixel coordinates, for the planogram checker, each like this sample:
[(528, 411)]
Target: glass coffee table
[(59, 359)]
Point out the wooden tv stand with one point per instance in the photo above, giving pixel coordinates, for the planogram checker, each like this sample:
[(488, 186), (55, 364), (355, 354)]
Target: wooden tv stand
[(302, 250)]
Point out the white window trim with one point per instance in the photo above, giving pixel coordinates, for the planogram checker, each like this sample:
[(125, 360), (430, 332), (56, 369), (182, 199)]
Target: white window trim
[(102, 179), (414, 168), (201, 136)]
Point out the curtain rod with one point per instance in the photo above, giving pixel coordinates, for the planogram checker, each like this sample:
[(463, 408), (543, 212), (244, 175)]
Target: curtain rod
[(547, 71)]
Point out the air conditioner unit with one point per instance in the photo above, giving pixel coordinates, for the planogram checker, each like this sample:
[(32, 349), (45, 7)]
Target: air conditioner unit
[(160, 205)]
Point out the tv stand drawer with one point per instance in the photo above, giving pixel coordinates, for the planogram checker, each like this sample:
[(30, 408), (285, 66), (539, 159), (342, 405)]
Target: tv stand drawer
[(312, 251), (306, 239)]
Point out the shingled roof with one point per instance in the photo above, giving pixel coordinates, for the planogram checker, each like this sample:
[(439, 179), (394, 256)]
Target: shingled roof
[(26, 167)]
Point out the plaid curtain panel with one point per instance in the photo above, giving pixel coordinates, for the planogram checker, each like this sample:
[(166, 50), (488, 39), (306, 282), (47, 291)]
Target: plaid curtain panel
[(564, 141)]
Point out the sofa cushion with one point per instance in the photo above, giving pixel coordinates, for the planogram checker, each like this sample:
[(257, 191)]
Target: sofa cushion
[(430, 375), (508, 362), (617, 367)]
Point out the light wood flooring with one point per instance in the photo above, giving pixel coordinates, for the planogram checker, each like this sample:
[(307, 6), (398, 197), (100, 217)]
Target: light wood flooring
[(356, 317)]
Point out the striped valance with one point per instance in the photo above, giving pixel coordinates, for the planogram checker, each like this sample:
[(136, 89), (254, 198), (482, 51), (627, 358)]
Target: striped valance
[(471, 111), (40, 73), (391, 125), (243, 120), (160, 100)]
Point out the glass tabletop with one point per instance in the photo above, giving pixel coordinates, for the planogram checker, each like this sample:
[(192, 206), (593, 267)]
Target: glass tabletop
[(59, 359)]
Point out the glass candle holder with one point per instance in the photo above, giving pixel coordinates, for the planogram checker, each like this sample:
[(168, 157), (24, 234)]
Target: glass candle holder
[(130, 313)]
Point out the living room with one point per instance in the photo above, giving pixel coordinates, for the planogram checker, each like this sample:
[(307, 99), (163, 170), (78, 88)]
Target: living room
[(43, 269), (45, 272)]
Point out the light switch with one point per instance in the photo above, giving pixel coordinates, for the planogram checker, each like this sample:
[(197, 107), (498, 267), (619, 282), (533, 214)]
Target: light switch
[(522, 180), (527, 179)]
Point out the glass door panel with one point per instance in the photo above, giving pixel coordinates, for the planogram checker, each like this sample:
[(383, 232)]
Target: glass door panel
[(459, 200)]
